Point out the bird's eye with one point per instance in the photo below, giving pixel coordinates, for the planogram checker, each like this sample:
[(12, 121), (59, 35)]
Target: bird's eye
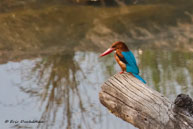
[(113, 46)]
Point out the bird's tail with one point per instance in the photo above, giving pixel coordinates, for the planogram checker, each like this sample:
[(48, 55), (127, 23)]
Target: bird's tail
[(140, 78)]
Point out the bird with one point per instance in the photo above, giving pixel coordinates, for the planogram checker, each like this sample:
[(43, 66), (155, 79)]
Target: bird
[(125, 58)]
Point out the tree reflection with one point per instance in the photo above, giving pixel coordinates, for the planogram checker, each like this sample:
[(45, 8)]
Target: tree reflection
[(58, 90)]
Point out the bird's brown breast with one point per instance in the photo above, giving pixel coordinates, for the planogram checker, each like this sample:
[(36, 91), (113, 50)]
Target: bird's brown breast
[(121, 63)]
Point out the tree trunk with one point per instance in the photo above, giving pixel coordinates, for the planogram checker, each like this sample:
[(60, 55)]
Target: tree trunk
[(131, 100)]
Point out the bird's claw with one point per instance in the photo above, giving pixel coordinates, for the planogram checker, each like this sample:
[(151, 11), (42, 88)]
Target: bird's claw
[(121, 72)]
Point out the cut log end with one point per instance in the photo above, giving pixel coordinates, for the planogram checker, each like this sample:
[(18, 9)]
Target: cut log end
[(184, 104)]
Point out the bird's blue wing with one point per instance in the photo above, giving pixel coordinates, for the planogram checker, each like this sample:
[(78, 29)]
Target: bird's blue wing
[(131, 65)]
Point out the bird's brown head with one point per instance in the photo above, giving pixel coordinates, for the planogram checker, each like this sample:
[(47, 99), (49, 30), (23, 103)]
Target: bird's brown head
[(117, 46)]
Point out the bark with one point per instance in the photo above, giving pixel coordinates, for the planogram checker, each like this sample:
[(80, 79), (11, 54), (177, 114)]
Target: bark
[(133, 101)]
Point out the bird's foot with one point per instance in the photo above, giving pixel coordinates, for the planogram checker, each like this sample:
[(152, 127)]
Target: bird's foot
[(121, 72)]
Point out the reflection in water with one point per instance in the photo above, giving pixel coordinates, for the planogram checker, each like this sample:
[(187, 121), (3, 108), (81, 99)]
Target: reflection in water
[(60, 81), (169, 72), (57, 87), (66, 86)]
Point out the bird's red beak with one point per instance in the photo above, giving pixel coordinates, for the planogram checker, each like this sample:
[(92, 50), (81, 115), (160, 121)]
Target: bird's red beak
[(108, 51)]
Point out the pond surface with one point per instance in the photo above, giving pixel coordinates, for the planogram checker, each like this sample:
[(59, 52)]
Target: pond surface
[(50, 68), (62, 90)]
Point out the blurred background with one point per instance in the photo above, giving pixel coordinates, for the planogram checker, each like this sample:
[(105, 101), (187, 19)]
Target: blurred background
[(50, 68)]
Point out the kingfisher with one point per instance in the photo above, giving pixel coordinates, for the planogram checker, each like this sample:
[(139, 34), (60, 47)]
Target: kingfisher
[(124, 58)]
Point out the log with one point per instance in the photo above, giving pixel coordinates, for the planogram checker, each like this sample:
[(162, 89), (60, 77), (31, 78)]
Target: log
[(133, 101)]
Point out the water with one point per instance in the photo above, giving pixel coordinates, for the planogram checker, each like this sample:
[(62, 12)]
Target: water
[(50, 68), (63, 92)]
